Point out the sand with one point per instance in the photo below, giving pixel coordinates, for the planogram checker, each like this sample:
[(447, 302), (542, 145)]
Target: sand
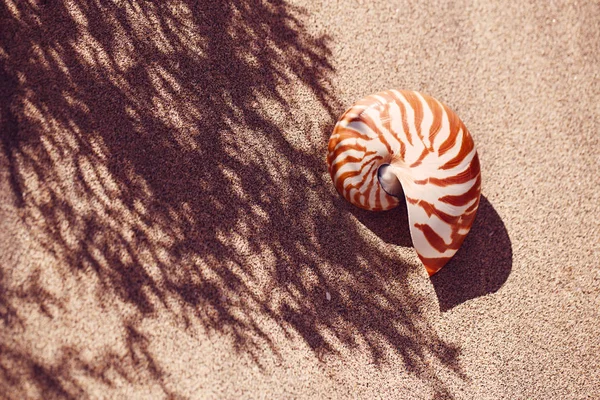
[(168, 228)]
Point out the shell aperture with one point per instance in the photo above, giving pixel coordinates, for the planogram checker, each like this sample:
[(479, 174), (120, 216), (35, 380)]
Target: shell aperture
[(410, 139), (388, 179)]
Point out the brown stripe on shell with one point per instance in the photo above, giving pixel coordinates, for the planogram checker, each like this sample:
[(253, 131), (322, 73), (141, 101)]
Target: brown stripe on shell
[(455, 125), (349, 159), (436, 123), (432, 237), (463, 177), (456, 238), (367, 119), (434, 264), (465, 198), (405, 127), (361, 183), (431, 209), (466, 146), (417, 107), (424, 154)]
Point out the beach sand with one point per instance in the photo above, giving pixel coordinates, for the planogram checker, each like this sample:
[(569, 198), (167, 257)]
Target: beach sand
[(168, 227)]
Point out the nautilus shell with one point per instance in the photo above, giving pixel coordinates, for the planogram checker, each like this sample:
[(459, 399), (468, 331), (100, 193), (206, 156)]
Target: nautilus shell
[(403, 143)]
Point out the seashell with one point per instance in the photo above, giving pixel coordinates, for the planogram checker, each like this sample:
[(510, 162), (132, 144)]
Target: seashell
[(397, 142)]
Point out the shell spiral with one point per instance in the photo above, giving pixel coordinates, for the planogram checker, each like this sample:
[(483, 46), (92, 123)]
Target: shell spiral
[(431, 153)]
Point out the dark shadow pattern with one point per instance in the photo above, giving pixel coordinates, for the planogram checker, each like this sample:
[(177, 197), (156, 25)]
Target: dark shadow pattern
[(481, 266), (154, 146)]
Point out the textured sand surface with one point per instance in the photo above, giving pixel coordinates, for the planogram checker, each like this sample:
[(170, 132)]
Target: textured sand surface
[(168, 228)]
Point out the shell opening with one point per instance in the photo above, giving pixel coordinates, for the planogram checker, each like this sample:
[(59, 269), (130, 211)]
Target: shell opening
[(388, 179)]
